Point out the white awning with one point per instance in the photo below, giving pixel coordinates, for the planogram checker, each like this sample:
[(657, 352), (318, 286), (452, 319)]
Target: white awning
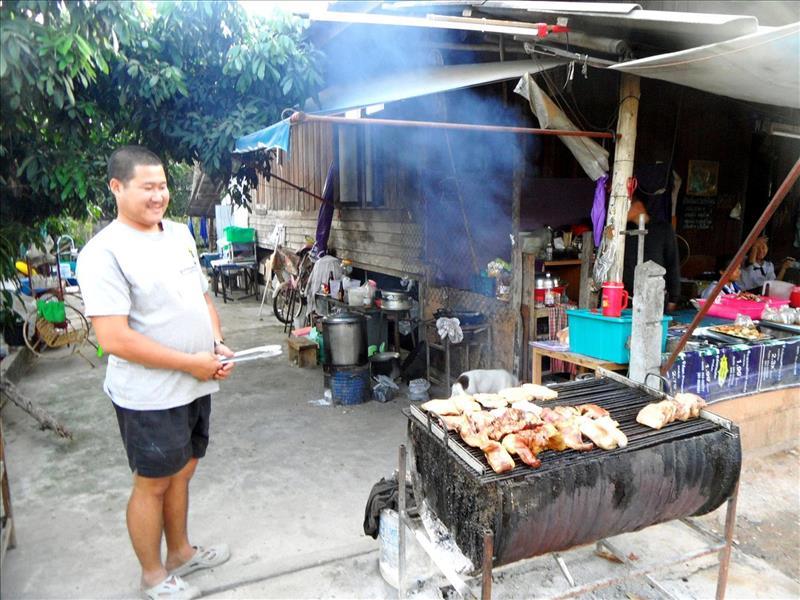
[(420, 82), (761, 67)]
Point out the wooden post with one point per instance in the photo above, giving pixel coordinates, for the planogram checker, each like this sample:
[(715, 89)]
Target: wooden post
[(646, 329), (586, 297), (623, 169), (516, 255)]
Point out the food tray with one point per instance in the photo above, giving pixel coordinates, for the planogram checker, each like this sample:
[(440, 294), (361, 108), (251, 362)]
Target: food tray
[(738, 333)]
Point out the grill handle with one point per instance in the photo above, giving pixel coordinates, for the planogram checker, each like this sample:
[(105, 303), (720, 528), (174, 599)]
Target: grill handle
[(664, 383), (440, 422)]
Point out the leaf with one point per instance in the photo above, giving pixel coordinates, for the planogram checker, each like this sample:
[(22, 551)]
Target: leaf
[(83, 46), (24, 164), (101, 63), (64, 45)]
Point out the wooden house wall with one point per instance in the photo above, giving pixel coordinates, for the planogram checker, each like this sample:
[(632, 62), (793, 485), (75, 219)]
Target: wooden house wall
[(387, 239)]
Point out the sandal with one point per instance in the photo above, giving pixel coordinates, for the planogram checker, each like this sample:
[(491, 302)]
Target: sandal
[(204, 558), (172, 588)]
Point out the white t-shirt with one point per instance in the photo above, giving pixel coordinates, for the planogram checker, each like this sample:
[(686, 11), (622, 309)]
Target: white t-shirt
[(155, 279)]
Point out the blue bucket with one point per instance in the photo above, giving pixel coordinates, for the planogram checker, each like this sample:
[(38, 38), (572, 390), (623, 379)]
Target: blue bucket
[(350, 385)]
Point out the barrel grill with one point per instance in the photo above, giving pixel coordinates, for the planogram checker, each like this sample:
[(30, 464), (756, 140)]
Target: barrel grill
[(685, 469)]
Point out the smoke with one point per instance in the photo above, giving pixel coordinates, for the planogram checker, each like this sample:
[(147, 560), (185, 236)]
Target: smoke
[(458, 184)]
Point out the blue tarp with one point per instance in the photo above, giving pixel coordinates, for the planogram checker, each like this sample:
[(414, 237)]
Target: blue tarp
[(274, 136)]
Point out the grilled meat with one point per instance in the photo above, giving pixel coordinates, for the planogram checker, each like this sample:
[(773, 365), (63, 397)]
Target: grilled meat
[(526, 406), (657, 414), (515, 445), (491, 400), (498, 457), (592, 411), (682, 408), (540, 392), (441, 407), (688, 406), (604, 432)]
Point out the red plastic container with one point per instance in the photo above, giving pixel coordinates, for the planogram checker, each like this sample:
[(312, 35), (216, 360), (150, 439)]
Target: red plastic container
[(615, 298), (794, 297), (538, 295)]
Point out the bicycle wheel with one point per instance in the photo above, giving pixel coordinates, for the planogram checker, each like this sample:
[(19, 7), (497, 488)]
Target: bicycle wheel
[(287, 297)]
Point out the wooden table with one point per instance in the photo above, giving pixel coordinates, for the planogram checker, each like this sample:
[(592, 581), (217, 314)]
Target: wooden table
[(584, 362)]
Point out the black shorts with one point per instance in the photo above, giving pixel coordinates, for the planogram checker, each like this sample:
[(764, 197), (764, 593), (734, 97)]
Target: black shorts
[(159, 443)]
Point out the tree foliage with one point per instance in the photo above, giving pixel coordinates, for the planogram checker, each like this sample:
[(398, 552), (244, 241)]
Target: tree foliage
[(79, 78)]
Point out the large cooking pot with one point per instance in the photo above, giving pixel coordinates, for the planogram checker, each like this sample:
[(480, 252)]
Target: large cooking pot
[(395, 300), (345, 338)]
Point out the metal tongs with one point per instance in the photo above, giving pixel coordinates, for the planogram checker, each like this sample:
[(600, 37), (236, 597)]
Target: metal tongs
[(253, 354)]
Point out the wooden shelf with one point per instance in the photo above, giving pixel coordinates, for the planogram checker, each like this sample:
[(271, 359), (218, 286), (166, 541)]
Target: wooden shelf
[(570, 262)]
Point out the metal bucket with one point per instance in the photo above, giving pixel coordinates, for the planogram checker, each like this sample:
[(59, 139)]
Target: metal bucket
[(345, 337)]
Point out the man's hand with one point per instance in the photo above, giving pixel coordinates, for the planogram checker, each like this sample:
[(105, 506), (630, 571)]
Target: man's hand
[(204, 366), (224, 370), (671, 307)]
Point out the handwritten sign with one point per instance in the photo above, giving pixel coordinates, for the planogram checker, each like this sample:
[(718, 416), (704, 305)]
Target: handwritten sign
[(698, 212)]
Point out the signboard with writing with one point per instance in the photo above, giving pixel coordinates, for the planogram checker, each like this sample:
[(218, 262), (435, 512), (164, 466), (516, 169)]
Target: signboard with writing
[(718, 373), (698, 212)]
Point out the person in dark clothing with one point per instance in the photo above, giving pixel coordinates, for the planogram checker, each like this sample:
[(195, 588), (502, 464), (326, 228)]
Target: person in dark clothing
[(660, 246)]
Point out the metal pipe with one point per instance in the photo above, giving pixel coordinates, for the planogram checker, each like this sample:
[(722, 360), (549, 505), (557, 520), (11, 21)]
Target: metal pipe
[(401, 524), (297, 187), (633, 573), (725, 553), (773, 205), (300, 117), (621, 557), (486, 567)]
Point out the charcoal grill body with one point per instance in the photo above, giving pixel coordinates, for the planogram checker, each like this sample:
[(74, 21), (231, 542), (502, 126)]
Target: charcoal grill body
[(575, 500)]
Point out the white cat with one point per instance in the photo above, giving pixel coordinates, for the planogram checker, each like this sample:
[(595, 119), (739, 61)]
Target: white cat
[(483, 381)]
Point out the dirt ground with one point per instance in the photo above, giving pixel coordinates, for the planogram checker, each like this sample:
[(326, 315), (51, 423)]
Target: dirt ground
[(285, 483)]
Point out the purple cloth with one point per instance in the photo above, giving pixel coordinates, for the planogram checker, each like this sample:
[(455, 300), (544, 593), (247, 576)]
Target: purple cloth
[(599, 210), (325, 215)]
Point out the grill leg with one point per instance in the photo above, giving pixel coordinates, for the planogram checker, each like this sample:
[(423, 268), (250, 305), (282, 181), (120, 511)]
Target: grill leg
[(401, 523), (563, 566), (725, 553), (486, 567)]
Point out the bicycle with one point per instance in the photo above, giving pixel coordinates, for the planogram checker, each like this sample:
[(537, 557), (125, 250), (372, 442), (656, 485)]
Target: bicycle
[(293, 271)]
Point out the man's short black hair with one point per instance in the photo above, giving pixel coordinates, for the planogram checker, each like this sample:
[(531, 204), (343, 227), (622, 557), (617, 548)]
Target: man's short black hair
[(124, 160)]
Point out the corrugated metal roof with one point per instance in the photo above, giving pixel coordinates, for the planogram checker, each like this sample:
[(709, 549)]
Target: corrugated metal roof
[(763, 67), (665, 29)]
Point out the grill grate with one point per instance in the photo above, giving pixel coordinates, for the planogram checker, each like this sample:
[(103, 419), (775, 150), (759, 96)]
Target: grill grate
[(622, 401)]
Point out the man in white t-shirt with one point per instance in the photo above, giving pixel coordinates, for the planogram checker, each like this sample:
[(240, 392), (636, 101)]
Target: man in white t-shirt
[(148, 301)]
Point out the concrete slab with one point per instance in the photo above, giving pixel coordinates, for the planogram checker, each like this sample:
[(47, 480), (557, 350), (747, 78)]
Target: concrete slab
[(285, 483)]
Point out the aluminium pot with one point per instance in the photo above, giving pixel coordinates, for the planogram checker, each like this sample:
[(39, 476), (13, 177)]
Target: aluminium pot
[(345, 338), (395, 300), (385, 363)]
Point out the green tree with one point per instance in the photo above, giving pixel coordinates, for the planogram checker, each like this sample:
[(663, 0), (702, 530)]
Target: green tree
[(79, 78)]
